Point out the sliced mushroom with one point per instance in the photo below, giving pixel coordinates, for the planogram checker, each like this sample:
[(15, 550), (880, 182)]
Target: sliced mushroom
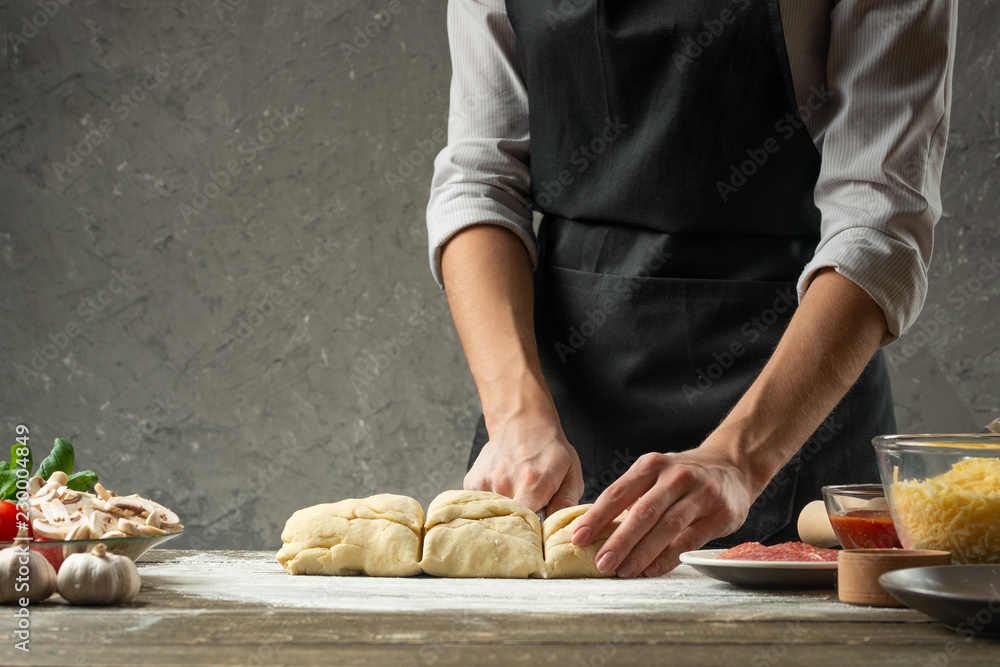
[(58, 530), (113, 533), (153, 519), (44, 495), (102, 522), (74, 500), (57, 479), (167, 519), (129, 506), (101, 491), (35, 513), (54, 511), (35, 485), (81, 532), (130, 527)]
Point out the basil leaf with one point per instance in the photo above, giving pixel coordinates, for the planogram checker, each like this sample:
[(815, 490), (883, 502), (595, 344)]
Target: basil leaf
[(8, 484), (82, 481), (60, 458), (15, 460)]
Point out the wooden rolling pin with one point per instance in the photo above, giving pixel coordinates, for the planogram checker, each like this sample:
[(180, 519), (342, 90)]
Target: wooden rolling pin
[(815, 528)]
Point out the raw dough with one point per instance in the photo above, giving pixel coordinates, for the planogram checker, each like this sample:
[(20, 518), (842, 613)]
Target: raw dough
[(481, 534), (378, 536), (563, 559)]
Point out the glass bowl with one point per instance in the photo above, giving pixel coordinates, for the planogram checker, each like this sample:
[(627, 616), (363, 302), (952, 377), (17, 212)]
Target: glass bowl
[(56, 551), (859, 514), (944, 492)]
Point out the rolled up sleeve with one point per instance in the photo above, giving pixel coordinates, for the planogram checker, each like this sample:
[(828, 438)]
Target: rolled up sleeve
[(481, 176), (889, 69)]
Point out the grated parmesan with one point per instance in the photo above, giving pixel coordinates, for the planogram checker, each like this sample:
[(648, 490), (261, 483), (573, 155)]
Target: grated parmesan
[(956, 511)]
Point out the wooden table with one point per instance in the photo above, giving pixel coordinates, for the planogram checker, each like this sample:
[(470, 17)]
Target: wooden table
[(240, 608)]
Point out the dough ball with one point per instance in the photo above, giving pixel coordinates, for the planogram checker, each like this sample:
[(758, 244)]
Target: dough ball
[(378, 536), (481, 534), (563, 560)]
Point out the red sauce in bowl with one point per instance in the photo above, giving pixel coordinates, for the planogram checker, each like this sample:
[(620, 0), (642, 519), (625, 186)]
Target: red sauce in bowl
[(865, 529)]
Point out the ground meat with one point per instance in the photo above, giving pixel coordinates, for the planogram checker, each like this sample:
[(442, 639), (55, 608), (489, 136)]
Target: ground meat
[(789, 551)]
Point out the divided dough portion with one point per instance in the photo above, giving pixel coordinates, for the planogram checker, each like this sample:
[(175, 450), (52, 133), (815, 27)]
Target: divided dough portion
[(379, 536), (481, 534), (563, 560)]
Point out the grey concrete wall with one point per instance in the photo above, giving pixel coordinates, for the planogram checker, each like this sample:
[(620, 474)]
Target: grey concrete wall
[(209, 283)]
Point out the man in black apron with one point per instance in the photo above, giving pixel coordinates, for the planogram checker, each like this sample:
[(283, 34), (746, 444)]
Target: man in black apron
[(664, 285)]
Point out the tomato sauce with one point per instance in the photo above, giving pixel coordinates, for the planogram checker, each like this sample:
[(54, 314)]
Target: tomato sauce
[(865, 529), (788, 551)]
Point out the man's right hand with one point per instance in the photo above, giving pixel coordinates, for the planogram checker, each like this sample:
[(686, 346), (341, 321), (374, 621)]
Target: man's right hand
[(529, 459), (487, 274)]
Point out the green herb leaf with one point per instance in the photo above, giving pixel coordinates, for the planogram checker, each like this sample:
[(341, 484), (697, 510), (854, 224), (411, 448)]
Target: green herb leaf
[(8, 484), (16, 461), (82, 481), (9, 472), (60, 458)]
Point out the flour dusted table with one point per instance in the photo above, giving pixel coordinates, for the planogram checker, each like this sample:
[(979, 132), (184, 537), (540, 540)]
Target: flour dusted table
[(240, 608)]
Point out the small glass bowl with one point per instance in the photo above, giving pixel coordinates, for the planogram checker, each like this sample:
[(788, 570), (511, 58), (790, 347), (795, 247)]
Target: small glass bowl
[(56, 551), (860, 516)]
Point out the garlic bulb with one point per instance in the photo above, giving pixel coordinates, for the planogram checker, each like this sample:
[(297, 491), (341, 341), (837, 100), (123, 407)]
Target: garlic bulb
[(25, 573), (98, 577)]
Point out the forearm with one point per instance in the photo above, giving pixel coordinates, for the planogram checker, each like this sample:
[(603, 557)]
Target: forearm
[(829, 341), (487, 275)]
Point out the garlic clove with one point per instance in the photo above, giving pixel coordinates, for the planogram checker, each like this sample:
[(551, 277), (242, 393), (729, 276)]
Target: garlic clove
[(41, 578), (98, 577)]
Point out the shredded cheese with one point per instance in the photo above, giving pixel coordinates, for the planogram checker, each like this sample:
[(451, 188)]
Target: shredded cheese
[(956, 511)]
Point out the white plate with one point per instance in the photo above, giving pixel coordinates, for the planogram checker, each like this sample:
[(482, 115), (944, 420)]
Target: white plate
[(771, 574)]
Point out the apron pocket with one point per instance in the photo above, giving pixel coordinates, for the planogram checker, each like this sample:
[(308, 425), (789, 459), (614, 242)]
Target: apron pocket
[(642, 364)]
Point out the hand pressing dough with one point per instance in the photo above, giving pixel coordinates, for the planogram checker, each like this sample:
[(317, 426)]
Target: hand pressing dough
[(563, 560), (378, 536), (481, 534)]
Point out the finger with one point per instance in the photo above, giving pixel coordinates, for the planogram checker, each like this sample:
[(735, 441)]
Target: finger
[(474, 481), (696, 536), (652, 541), (618, 497), (568, 494), (534, 490)]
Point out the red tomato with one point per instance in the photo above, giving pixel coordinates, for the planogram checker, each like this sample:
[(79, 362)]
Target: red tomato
[(8, 521)]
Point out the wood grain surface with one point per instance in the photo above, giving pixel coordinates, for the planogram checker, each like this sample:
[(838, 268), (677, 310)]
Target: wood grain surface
[(239, 608)]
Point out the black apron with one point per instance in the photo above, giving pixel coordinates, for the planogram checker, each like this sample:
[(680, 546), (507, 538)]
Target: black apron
[(676, 180)]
